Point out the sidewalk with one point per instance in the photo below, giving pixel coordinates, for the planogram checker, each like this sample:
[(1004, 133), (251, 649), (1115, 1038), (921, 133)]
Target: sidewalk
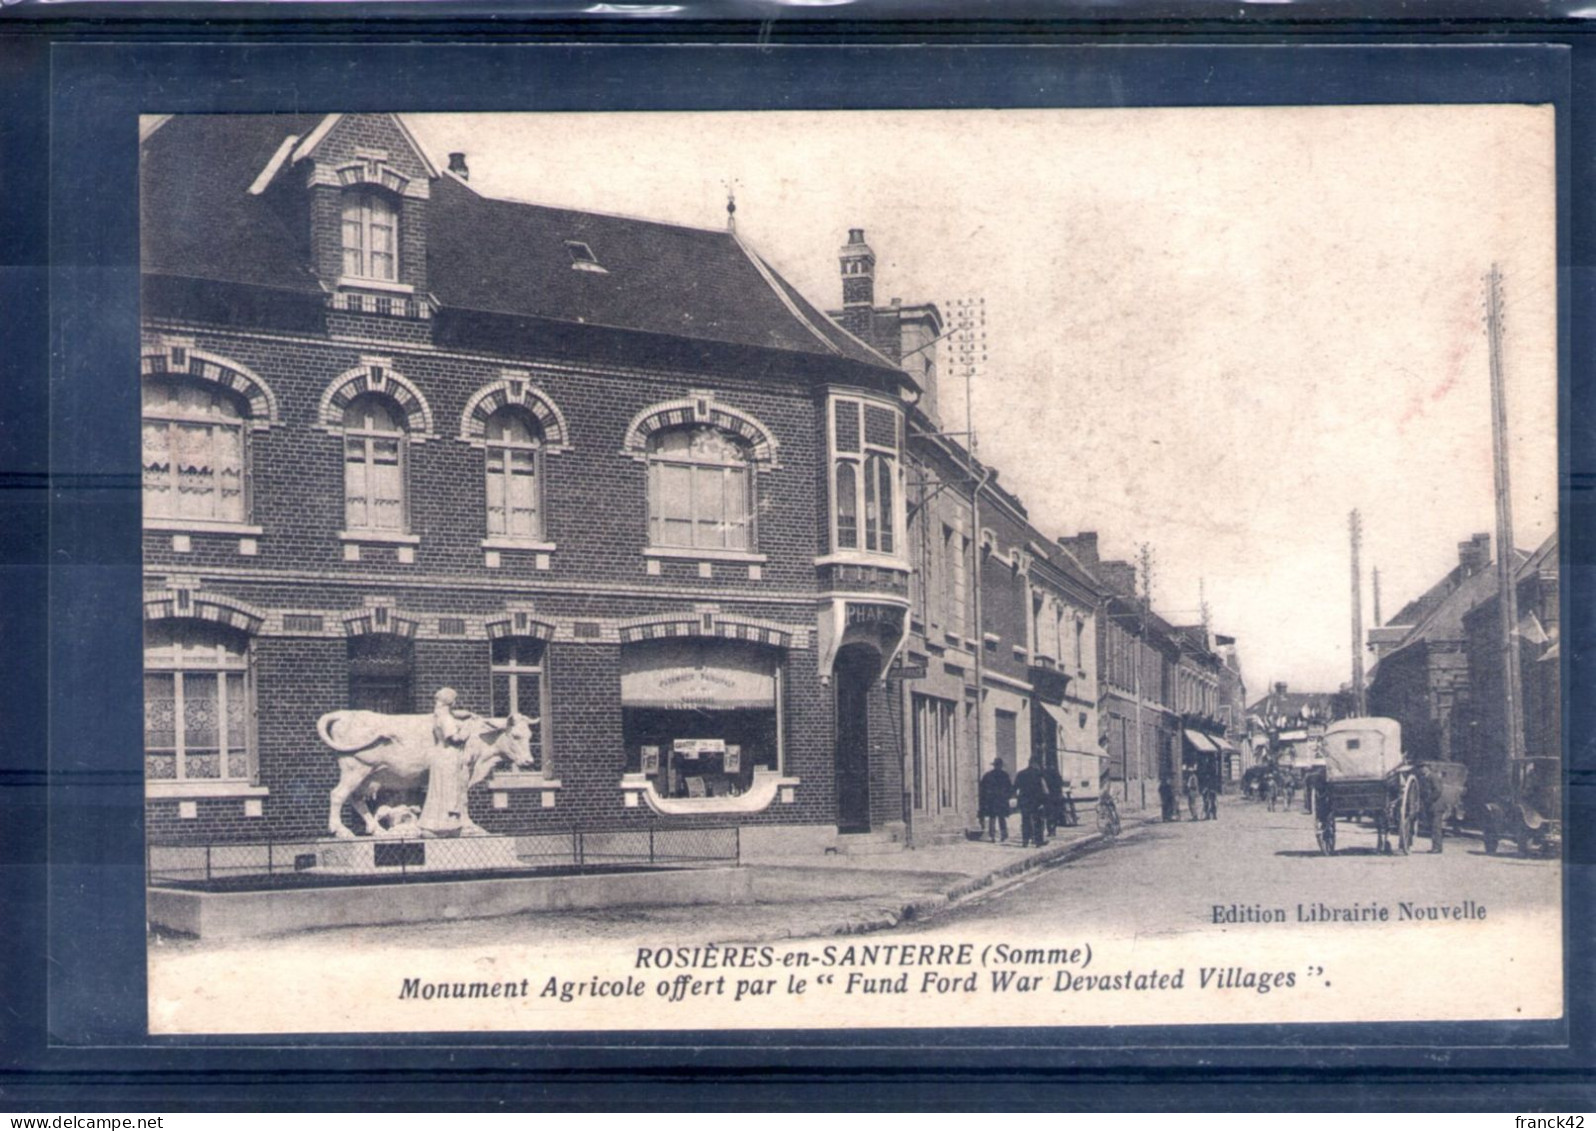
[(913, 885)]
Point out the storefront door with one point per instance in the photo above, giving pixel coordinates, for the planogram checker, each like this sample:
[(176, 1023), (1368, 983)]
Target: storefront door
[(855, 671)]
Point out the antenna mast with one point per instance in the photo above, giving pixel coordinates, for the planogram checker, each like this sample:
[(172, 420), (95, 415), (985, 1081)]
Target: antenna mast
[(1506, 590), (1359, 694)]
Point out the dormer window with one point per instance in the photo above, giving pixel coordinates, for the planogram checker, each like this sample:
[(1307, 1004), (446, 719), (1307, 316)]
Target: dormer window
[(371, 235), (582, 257)]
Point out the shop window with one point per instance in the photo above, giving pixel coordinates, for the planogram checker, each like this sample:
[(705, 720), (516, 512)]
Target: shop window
[(374, 465), (514, 474), (700, 490), (520, 686), (935, 782), (199, 717), (865, 448), (195, 454), (371, 235), (699, 717)]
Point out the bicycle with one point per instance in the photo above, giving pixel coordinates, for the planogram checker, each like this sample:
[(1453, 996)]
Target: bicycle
[(1107, 815)]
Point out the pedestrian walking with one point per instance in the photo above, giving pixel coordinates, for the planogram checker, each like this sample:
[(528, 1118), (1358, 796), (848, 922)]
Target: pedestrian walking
[(1031, 788), (1055, 799), (994, 794), (1190, 786)]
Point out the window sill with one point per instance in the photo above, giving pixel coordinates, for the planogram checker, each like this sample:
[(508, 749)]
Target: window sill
[(766, 787), (203, 526), (521, 779), (863, 558), (705, 555), (518, 544), (180, 790), (379, 536), (348, 283)]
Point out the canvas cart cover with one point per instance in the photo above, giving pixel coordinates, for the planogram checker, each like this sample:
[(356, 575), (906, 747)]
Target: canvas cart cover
[(1362, 749)]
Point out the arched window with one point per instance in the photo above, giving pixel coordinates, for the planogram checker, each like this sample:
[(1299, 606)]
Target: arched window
[(194, 456), (371, 235), (374, 465), (865, 445), (512, 442), (700, 490), (198, 713)]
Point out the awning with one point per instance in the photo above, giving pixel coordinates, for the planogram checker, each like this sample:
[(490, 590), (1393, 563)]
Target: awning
[(1201, 742), (1225, 745), (1058, 716), (686, 674)]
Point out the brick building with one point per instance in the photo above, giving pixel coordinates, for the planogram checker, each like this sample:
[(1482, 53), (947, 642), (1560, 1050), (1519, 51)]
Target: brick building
[(612, 473), (1001, 653), (1423, 670)]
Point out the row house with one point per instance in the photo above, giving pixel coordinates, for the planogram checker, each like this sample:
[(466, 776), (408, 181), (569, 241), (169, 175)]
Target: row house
[(1000, 660), (1423, 672), (1139, 656), (615, 474)]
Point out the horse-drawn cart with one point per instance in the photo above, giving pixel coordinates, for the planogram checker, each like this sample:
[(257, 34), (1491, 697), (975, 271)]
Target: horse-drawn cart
[(1365, 774)]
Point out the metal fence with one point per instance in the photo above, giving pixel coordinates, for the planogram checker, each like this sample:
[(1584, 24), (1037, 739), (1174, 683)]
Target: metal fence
[(328, 861)]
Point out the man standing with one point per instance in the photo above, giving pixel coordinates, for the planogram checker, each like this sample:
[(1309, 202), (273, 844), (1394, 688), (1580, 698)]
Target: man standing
[(994, 798), (1055, 799), (1433, 793), (1032, 790)]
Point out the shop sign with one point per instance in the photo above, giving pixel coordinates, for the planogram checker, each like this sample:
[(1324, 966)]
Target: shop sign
[(698, 747)]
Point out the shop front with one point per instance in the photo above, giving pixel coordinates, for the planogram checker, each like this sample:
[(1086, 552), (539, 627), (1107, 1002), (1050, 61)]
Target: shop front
[(702, 725)]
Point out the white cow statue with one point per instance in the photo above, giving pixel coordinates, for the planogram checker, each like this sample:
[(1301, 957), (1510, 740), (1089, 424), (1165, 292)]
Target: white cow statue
[(377, 751)]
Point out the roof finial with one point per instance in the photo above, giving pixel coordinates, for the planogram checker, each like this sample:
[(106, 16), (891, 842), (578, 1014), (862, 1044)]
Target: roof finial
[(731, 203)]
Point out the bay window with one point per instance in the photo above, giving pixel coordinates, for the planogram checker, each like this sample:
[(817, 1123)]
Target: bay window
[(865, 447)]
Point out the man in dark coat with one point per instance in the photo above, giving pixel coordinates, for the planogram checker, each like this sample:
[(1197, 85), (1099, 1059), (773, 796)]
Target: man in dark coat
[(1055, 798), (994, 798), (1032, 790), (1166, 799), (1433, 795)]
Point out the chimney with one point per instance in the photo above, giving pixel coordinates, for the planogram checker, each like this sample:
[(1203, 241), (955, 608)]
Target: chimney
[(457, 166), (1474, 555), (1120, 576), (858, 271), (1280, 688), (1084, 547)]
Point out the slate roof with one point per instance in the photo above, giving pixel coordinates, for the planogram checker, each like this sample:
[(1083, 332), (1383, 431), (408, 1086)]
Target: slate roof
[(197, 218), (485, 254), (1444, 620)]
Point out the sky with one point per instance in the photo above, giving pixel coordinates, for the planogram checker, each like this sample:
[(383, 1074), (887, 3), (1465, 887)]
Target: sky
[(1215, 331)]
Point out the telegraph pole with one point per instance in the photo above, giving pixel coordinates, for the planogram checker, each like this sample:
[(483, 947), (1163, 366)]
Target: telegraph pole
[(1359, 697), (1506, 590)]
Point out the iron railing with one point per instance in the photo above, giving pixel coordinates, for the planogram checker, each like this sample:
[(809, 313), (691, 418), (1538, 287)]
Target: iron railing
[(330, 861)]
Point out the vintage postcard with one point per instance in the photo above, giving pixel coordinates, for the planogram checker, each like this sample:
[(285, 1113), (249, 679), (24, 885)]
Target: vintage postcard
[(667, 571)]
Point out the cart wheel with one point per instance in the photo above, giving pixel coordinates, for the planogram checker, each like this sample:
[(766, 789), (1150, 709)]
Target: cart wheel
[(1407, 816)]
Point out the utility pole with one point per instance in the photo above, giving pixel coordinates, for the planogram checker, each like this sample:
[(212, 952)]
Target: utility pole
[(1359, 697), (967, 347), (1506, 590)]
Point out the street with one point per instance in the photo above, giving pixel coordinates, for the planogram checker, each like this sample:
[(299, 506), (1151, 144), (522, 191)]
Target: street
[(1239, 919), (1167, 879)]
